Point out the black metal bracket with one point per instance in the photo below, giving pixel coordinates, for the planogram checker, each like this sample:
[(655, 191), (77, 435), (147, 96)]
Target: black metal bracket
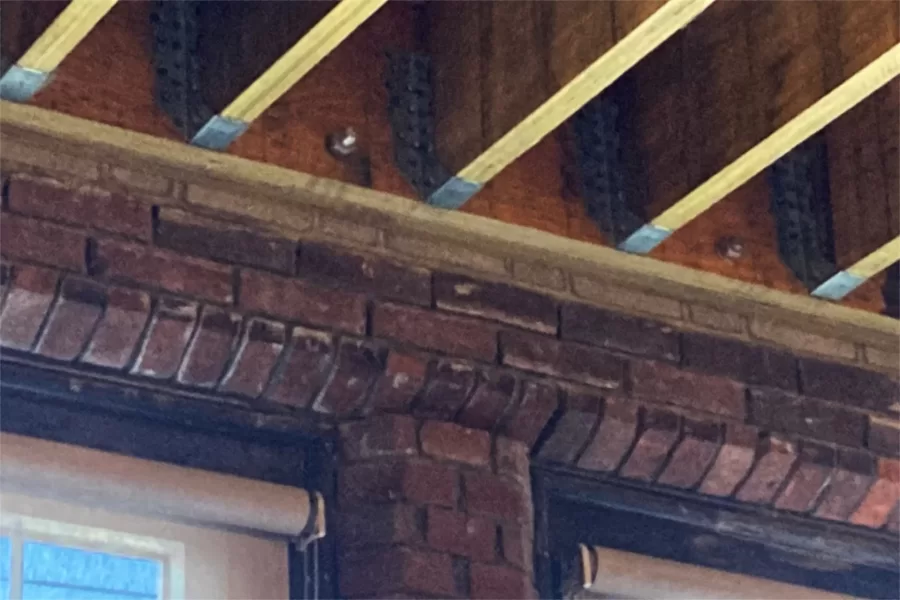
[(801, 205), (176, 63), (602, 172), (891, 291), (411, 113)]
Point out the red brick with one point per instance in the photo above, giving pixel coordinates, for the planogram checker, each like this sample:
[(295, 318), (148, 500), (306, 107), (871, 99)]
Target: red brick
[(776, 457), (85, 207), (370, 274), (850, 385), (42, 242), (5, 279), (403, 377), (304, 368), (27, 301), (882, 496), (374, 573), (449, 385), (528, 419), (852, 476), (499, 582), (512, 458), (421, 482), (613, 438), (657, 435), (548, 356), (494, 496), (379, 525), (456, 336), (884, 436), (495, 301), (256, 356), (893, 520), (72, 319), (224, 242), (167, 336), (210, 348), (492, 395), (572, 429), (457, 533), (163, 269), (618, 332), (693, 455), (517, 545), (449, 441), (774, 410), (299, 301), (660, 382), (733, 462), (119, 332), (814, 467), (755, 365), (379, 436), (356, 367)]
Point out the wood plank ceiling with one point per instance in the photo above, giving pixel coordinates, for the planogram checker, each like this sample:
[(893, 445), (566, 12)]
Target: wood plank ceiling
[(757, 139)]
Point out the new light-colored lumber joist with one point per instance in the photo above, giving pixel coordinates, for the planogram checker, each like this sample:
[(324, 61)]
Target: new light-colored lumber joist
[(506, 74), (844, 282), (36, 65), (261, 27), (776, 74)]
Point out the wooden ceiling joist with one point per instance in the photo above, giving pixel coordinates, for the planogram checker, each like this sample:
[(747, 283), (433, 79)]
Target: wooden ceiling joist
[(746, 83), (38, 58), (506, 74), (844, 282), (260, 58)]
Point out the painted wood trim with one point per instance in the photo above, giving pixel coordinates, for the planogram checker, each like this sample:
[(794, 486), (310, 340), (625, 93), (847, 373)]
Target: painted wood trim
[(646, 37), (831, 106), (842, 283), (66, 31), (276, 190), (324, 37)]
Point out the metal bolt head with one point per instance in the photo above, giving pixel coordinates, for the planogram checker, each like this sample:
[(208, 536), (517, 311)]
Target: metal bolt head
[(343, 143), (730, 247)]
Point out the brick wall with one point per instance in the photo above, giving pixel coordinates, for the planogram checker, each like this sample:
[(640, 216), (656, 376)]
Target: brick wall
[(437, 380)]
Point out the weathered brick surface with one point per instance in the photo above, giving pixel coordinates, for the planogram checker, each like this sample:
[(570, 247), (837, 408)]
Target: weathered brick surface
[(371, 274), (161, 269), (116, 338), (511, 458), (210, 348), (777, 456), (298, 301), (42, 242), (379, 436), (815, 464), (561, 359), (460, 534), (619, 332), (661, 382), (489, 401), (717, 319), (459, 336), (882, 496), (88, 207), (517, 545), (448, 388), (733, 462), (495, 301), (694, 454), (380, 525), (381, 482), (304, 368), (783, 334), (738, 360), (448, 441), (28, 300), (572, 429), (374, 573), (884, 436), (72, 319), (200, 236), (166, 338), (853, 474), (357, 365), (613, 438), (256, 355), (658, 433), (494, 581), (774, 410), (538, 403), (403, 377), (850, 385)]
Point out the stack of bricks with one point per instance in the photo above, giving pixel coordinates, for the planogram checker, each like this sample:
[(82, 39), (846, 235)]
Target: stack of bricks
[(444, 386)]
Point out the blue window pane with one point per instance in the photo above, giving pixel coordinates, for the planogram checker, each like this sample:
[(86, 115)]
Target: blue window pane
[(72, 573), (33, 591), (5, 565)]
